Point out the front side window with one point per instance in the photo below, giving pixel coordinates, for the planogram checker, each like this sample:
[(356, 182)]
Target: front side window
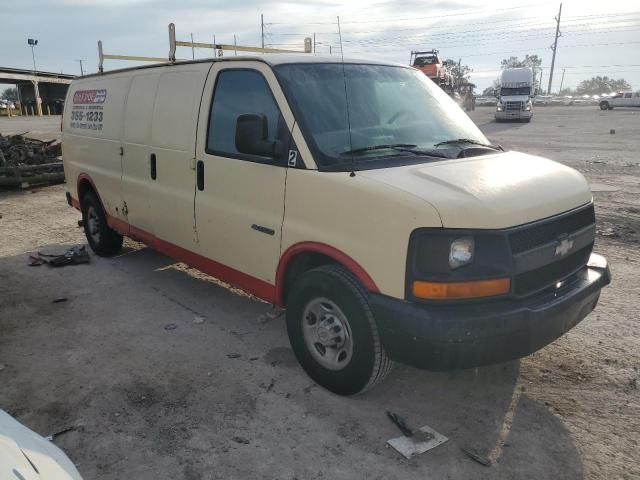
[(240, 92), (388, 105)]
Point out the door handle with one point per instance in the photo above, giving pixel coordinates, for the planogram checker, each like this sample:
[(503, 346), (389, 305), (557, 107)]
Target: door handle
[(200, 175), (152, 166)]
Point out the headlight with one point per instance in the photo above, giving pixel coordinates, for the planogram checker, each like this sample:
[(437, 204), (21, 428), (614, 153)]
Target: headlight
[(499, 107), (527, 106), (461, 252)]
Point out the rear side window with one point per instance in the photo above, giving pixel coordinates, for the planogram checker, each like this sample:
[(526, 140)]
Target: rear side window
[(627, 95), (239, 92)]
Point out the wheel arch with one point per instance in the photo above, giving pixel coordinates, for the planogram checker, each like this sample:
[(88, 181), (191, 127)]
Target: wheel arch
[(304, 256), (85, 184)]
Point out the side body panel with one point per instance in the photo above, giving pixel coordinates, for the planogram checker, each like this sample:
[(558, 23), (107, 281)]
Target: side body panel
[(367, 221), (136, 179), (241, 197), (93, 124), (173, 140)]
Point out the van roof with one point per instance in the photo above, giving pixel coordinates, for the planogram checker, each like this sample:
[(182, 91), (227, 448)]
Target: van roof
[(272, 59)]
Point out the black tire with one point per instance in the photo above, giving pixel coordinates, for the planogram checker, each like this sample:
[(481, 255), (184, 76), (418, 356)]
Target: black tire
[(368, 364), (604, 106), (103, 240)]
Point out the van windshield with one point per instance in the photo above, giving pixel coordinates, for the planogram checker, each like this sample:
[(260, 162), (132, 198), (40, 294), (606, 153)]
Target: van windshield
[(388, 106)]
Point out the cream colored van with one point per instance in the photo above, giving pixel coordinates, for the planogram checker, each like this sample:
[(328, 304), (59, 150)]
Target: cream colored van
[(358, 196)]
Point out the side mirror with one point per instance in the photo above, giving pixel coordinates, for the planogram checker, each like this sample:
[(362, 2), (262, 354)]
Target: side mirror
[(252, 131)]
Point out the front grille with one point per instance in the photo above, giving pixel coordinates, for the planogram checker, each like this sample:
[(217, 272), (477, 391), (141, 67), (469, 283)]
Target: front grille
[(540, 278), (513, 106), (539, 234)]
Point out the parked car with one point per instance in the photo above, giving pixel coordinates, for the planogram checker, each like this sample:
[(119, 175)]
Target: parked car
[(402, 235), (542, 100), (622, 99), (486, 101), (25, 455)]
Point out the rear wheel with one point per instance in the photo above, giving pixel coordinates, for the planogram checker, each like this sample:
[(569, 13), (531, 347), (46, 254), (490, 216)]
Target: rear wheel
[(103, 240), (333, 333), (604, 106)]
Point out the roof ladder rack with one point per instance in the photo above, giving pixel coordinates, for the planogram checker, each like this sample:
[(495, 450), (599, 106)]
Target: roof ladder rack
[(173, 44), (221, 47)]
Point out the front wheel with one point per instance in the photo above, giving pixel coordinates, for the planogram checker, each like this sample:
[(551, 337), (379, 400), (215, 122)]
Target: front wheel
[(333, 333), (604, 106)]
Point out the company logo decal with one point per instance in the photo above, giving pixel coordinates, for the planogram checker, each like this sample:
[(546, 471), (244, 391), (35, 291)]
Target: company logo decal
[(87, 97), (564, 247)]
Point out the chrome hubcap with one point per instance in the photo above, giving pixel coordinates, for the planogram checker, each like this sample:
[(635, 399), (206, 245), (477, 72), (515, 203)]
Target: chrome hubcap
[(93, 224), (327, 334)]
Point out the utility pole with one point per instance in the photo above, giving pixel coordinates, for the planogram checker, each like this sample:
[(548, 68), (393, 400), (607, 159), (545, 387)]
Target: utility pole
[(562, 81), (329, 49), (540, 82), (314, 42), (81, 70), (235, 44), (262, 28), (555, 47), (193, 49)]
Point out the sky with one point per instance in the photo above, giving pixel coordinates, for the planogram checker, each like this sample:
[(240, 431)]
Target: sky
[(598, 38)]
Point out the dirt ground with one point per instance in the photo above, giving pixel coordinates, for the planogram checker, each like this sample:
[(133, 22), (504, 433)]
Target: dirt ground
[(220, 396)]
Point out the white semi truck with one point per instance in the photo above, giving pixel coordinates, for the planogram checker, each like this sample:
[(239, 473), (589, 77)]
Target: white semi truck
[(514, 101)]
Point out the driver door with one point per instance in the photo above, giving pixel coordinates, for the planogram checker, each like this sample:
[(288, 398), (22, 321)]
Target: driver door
[(239, 200)]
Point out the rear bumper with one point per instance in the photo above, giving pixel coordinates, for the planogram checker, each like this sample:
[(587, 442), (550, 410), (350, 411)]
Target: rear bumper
[(447, 337)]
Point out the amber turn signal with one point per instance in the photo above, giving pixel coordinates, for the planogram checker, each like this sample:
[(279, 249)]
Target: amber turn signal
[(460, 290)]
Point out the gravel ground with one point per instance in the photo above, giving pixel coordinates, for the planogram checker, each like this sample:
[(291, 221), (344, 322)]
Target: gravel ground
[(158, 403)]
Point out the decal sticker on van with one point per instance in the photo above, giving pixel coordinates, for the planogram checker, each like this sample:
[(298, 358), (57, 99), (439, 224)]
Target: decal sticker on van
[(84, 97), (87, 110)]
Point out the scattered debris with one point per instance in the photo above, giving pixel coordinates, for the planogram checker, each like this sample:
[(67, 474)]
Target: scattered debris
[(474, 455), (308, 389), (53, 436), (421, 440), (244, 441), (598, 161), (59, 300), (170, 326), (612, 131), (27, 161), (198, 319), (609, 232), (233, 355), (269, 387), (400, 423), (74, 256), (253, 359), (2, 366), (268, 316)]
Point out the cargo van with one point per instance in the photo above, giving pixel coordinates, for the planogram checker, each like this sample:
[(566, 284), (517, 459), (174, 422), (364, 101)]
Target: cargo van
[(357, 196)]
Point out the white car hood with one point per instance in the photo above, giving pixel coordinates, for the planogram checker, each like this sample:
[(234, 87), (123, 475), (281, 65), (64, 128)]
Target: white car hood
[(21, 450), (490, 191)]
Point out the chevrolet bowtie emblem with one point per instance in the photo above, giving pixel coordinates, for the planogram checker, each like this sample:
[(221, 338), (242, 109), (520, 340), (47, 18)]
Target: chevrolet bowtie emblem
[(564, 246)]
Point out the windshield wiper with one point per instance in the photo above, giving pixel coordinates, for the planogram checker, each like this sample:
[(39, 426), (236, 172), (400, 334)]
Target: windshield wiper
[(468, 140), (400, 147), (392, 146)]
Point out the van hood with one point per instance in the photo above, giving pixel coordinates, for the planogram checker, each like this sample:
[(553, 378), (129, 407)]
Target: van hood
[(490, 191)]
